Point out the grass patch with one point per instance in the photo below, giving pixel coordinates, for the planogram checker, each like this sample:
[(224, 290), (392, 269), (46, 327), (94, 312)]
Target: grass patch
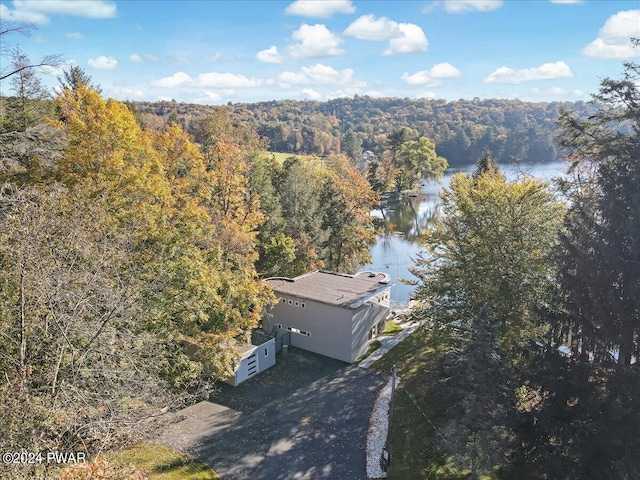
[(391, 328), (280, 157), (163, 463), (373, 346), (413, 443)]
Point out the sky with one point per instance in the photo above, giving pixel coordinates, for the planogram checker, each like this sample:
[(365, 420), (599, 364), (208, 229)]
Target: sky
[(215, 52)]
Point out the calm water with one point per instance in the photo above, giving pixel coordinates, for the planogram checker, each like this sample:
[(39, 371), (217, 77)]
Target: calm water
[(404, 221)]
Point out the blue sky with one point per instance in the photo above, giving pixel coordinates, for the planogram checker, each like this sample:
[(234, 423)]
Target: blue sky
[(244, 51)]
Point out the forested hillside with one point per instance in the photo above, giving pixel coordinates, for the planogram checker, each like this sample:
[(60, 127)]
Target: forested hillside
[(514, 131)]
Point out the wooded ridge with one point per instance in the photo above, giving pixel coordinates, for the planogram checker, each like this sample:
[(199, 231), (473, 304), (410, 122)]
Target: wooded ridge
[(512, 130)]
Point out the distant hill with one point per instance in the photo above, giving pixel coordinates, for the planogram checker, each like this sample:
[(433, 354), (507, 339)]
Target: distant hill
[(513, 130)]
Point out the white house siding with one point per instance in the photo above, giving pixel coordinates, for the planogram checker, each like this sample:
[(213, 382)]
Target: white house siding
[(328, 327), (365, 318)]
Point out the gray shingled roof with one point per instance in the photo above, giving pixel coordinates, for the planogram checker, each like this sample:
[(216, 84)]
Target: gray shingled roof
[(347, 291)]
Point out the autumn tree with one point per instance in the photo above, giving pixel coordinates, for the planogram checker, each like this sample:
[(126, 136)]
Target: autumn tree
[(299, 195), (80, 374), (418, 159), (347, 200), (132, 247), (490, 248)]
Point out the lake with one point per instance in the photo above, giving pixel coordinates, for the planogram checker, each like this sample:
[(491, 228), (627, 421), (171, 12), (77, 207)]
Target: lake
[(403, 223)]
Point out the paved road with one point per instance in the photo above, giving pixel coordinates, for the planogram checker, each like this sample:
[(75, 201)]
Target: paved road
[(305, 418)]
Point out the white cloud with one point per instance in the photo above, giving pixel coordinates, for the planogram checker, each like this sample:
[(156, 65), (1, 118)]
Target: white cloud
[(286, 79), (411, 39), (213, 58), (319, 8), (349, 92), (127, 92), (175, 80), (178, 60), (614, 37), (428, 95), (318, 74), (212, 95), (543, 72), (444, 70), (75, 35), (57, 71), (270, 55), (145, 57), (103, 63), (432, 77), (226, 80), (552, 91), (324, 75), (315, 41), (39, 12), (367, 27), (403, 37), (311, 94), (464, 6), (22, 16)]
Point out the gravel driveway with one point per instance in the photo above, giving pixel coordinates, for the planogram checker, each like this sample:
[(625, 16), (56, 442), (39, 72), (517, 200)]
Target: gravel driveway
[(305, 418)]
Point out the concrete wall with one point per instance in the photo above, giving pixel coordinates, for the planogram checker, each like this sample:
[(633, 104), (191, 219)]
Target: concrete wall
[(254, 361)]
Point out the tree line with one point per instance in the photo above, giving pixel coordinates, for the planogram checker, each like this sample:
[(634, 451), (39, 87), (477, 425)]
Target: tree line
[(513, 130)]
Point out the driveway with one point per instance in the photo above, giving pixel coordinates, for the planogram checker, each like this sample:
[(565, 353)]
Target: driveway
[(305, 418)]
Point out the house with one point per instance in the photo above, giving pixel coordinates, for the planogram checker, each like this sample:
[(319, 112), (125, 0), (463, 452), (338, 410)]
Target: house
[(329, 313)]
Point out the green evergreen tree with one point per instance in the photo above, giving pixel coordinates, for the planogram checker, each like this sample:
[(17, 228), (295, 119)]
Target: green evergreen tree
[(600, 274), (477, 399)]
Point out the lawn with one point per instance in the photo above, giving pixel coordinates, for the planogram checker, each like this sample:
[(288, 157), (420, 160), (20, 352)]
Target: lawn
[(163, 463), (413, 442), (391, 328), (373, 346), (280, 157)]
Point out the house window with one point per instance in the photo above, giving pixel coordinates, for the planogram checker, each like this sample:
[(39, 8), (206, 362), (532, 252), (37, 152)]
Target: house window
[(279, 326), (284, 300), (297, 304), (290, 302), (298, 331), (266, 352), (303, 305)]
